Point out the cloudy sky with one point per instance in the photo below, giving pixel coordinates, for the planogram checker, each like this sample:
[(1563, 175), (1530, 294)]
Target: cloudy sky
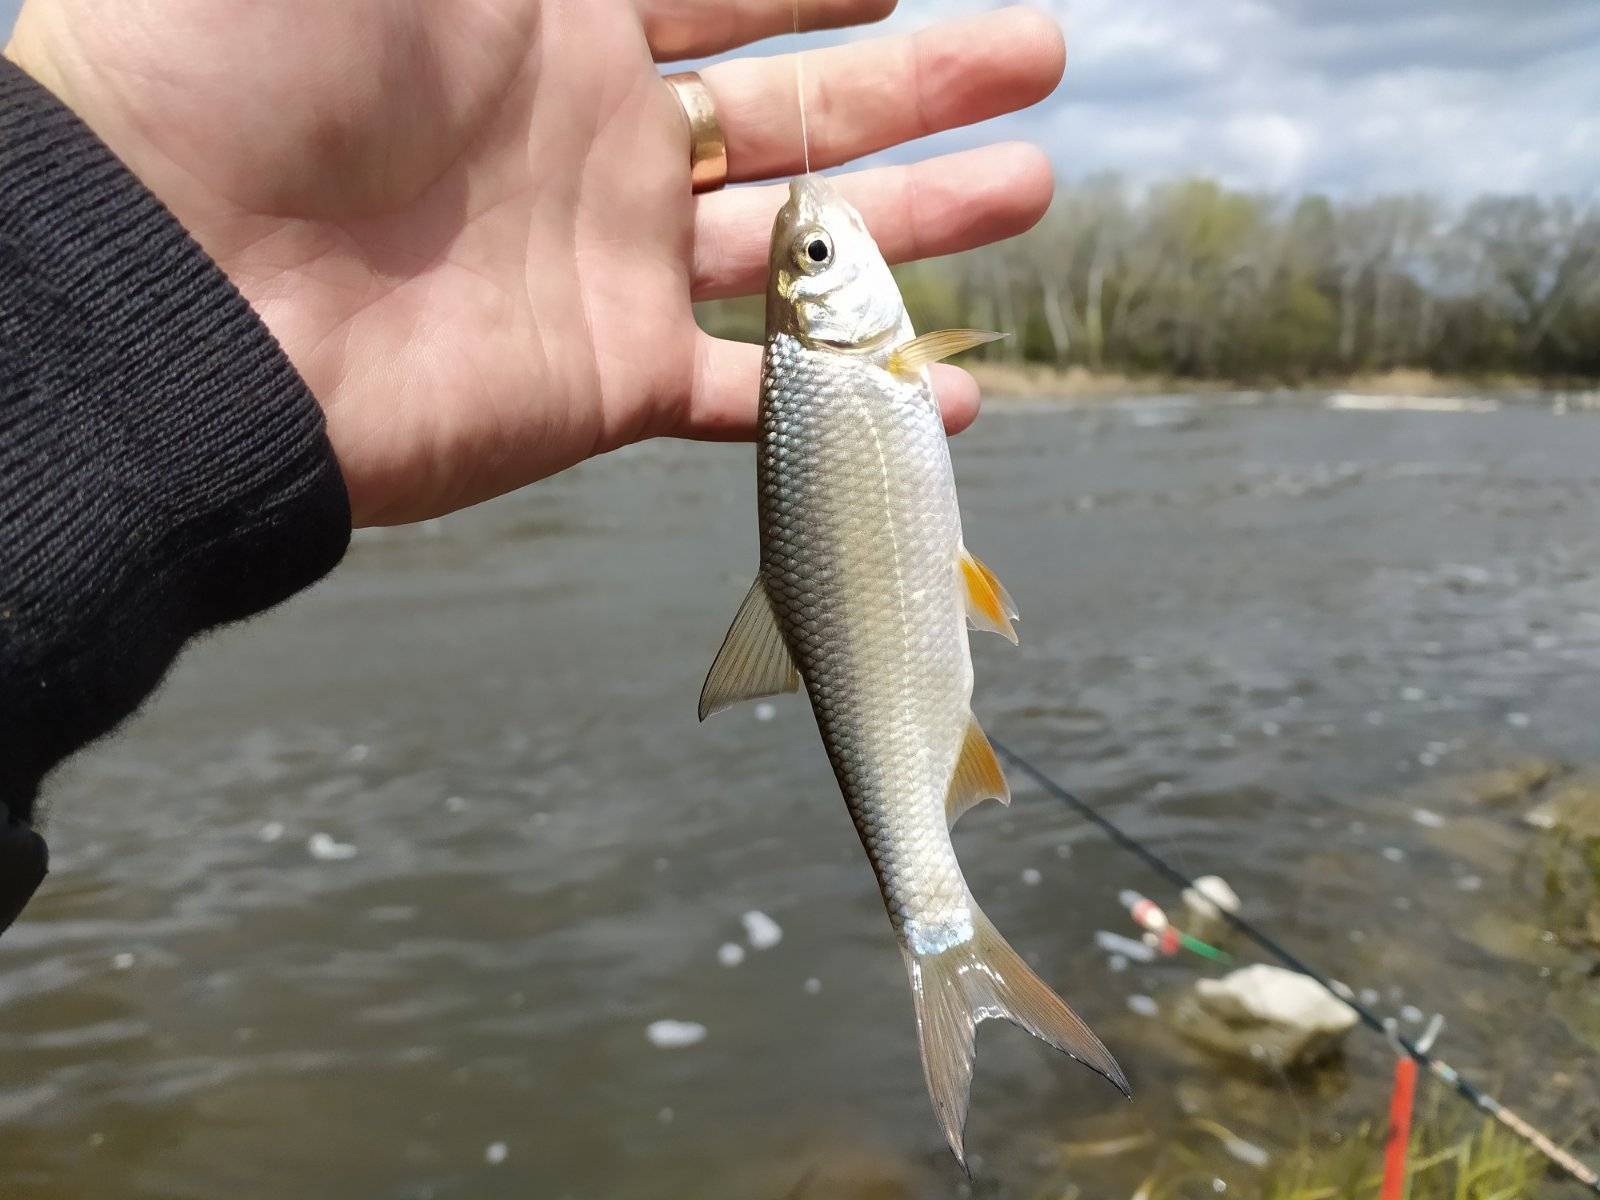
[(1350, 96)]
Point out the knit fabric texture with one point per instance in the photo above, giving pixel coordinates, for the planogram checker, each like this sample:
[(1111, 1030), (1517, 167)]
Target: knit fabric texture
[(163, 469)]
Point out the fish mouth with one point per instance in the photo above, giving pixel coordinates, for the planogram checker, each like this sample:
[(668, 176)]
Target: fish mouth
[(811, 198), (811, 189)]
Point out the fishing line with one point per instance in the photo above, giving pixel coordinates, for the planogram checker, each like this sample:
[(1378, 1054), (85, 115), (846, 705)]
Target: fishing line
[(800, 91), (1440, 1069)]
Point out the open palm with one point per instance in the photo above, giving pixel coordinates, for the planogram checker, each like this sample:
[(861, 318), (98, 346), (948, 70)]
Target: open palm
[(469, 222)]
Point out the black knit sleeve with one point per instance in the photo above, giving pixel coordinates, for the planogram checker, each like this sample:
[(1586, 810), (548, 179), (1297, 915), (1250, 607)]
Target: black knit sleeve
[(163, 469)]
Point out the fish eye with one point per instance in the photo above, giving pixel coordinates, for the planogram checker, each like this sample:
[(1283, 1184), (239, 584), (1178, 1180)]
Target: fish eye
[(814, 249)]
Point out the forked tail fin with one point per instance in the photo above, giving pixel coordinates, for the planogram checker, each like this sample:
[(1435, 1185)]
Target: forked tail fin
[(984, 977)]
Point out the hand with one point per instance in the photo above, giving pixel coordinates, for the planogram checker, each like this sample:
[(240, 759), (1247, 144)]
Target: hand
[(469, 222)]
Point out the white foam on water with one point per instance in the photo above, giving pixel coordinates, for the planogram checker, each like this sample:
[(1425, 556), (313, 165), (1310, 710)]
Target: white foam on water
[(324, 848), (1431, 820), (674, 1035), (495, 1153), (1394, 854), (1031, 877), (765, 711), (1358, 402), (121, 962), (1144, 1006), (730, 954), (813, 985), (270, 831), (760, 930), (456, 804), (1115, 943)]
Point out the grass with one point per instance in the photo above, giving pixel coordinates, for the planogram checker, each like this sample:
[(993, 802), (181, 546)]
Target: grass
[(1456, 1154), (1481, 1162), (1571, 885)]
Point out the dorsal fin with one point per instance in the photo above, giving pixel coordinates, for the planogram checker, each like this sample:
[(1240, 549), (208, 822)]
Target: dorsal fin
[(753, 661)]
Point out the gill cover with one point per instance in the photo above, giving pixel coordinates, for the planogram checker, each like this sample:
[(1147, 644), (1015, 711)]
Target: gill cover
[(829, 285)]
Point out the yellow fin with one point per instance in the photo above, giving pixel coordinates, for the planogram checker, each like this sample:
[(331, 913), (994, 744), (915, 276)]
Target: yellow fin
[(977, 777), (989, 605), (910, 357), (753, 661)]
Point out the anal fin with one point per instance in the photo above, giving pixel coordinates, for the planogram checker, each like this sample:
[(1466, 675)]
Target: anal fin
[(909, 358), (753, 661), (989, 605), (977, 777)]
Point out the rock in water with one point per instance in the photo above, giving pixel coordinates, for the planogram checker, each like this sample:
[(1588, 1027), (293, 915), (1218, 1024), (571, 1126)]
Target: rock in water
[(1572, 805), (1265, 1015), (1205, 903), (1502, 787)]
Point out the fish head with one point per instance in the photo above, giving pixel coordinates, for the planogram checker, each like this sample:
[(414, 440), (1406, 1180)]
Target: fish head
[(828, 284)]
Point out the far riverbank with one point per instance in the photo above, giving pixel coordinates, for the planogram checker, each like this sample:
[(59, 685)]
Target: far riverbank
[(1042, 381)]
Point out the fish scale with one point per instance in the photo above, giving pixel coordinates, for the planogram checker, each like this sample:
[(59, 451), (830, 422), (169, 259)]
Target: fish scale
[(859, 534)]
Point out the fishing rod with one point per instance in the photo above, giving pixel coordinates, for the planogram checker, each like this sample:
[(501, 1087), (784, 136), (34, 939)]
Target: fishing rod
[(1440, 1069)]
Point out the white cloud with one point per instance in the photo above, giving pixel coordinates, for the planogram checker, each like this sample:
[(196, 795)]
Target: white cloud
[(1345, 96), (1266, 147)]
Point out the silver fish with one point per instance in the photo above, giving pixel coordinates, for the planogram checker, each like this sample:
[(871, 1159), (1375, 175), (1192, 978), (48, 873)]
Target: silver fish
[(864, 595)]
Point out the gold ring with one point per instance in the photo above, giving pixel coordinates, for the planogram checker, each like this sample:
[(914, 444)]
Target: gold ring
[(708, 147)]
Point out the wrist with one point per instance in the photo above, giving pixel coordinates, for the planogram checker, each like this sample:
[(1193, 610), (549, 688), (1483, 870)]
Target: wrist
[(28, 49)]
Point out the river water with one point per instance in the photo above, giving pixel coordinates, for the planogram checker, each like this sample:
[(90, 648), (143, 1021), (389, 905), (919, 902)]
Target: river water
[(381, 894)]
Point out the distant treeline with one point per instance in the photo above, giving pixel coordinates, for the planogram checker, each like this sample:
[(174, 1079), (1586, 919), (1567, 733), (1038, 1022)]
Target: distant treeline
[(1194, 279)]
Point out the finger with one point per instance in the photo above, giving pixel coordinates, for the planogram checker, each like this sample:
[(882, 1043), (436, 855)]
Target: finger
[(937, 206), (727, 385), (881, 92), (692, 28)]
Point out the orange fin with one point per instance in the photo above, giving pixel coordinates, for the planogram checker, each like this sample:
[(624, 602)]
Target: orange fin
[(978, 776), (989, 605), (909, 358)]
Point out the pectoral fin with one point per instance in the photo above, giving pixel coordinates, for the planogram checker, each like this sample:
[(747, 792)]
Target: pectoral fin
[(989, 605), (753, 661), (910, 357), (977, 777)]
